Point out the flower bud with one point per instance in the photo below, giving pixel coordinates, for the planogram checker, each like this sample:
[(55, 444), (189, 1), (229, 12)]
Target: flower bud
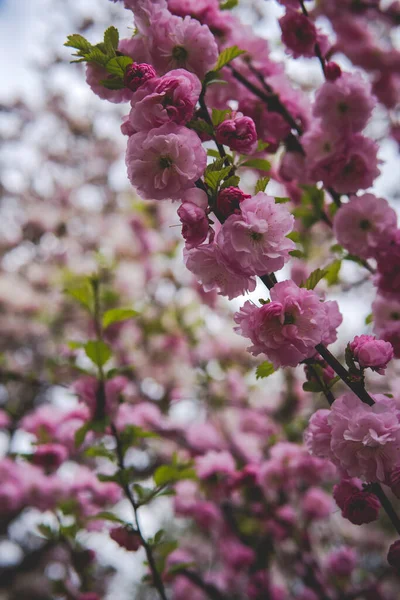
[(239, 133), (137, 74), (229, 199), (372, 353), (128, 539), (332, 71), (393, 556), (361, 507)]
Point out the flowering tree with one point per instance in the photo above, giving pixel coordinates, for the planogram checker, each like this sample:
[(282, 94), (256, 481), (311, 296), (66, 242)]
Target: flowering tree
[(132, 411)]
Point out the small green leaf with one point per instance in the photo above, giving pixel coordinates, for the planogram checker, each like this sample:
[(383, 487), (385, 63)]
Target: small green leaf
[(369, 319), (218, 116), (108, 516), (171, 474), (297, 253), (100, 451), (257, 163), (115, 315), (118, 64), (332, 272), (294, 236), (280, 200), (262, 145), (311, 386), (228, 4), (313, 279), (82, 292), (214, 178), (79, 42), (111, 40), (261, 184), (232, 181), (178, 567), (97, 56), (213, 153), (80, 434), (264, 370), (200, 126), (98, 352), (227, 56)]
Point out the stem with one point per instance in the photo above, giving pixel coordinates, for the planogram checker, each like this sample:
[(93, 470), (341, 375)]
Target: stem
[(157, 581), (328, 394), (317, 47)]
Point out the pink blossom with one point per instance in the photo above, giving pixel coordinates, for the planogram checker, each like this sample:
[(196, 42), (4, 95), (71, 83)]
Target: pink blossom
[(288, 328), (49, 456), (388, 263), (229, 200), (363, 224), (216, 271), (171, 98), (370, 352), (316, 504), (298, 33), (94, 74), (237, 132), (361, 507), (332, 71), (137, 74), (393, 556), (365, 439), (256, 237), (144, 414), (195, 225), (194, 8), (341, 562), (318, 434), (236, 554), (204, 436), (344, 105), (165, 162), (215, 463), (346, 488), (128, 539), (182, 44)]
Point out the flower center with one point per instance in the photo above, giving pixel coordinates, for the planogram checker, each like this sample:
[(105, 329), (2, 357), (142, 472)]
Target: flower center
[(365, 225), (289, 319), (256, 236), (395, 316), (342, 107), (165, 162), (179, 54)]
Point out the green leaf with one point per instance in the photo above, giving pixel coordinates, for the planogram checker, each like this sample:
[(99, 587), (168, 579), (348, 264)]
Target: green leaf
[(177, 567), (100, 451), (213, 77), (297, 253), (262, 145), (171, 474), (111, 40), (264, 370), (46, 531), (294, 236), (219, 115), (115, 315), (82, 292), (200, 126), (97, 56), (332, 272), (79, 42), (369, 319), (257, 163), (213, 153), (227, 56), (228, 4), (311, 386), (261, 184), (80, 434), (108, 516), (214, 178), (98, 352), (313, 279), (118, 64), (216, 165), (232, 181), (337, 249), (280, 200), (159, 536)]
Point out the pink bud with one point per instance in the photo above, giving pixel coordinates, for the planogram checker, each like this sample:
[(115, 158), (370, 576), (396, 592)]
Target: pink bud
[(49, 456), (229, 199), (137, 74), (372, 353), (130, 540), (239, 133), (393, 556), (332, 71), (361, 507)]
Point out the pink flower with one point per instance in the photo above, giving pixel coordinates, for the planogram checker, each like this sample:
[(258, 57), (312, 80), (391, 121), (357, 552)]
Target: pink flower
[(341, 562), (332, 71), (215, 463), (164, 162), (256, 237), (94, 74), (288, 328), (365, 439), (298, 34), (388, 259), (182, 44), (344, 105), (316, 504), (195, 8), (346, 488), (195, 225), (363, 224), (238, 132), (317, 436), (137, 74), (393, 556), (217, 272), (352, 166), (370, 352), (130, 540), (49, 456), (361, 507), (229, 200), (171, 98)]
